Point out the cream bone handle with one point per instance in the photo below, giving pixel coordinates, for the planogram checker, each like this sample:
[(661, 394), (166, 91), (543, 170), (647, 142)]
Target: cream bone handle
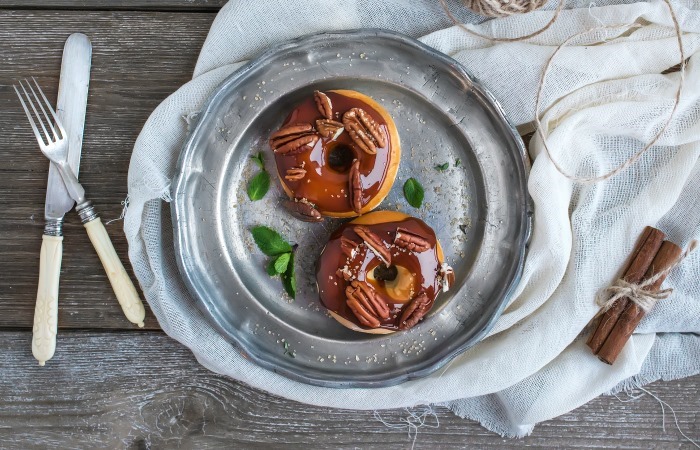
[(121, 283), (46, 310)]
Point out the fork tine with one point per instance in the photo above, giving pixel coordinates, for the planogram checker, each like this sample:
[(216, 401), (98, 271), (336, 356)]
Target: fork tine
[(37, 115), (47, 118), (31, 119), (53, 111)]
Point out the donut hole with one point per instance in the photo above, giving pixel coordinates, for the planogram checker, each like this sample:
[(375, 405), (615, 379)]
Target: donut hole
[(340, 157), (384, 273), (397, 282)]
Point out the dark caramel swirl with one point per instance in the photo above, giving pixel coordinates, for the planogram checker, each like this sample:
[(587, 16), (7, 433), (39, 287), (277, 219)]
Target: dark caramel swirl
[(355, 283), (339, 176)]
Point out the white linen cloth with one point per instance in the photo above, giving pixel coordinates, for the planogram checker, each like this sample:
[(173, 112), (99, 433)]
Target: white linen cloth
[(601, 104)]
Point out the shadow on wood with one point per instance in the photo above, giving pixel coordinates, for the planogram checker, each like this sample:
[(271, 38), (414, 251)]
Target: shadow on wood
[(144, 390)]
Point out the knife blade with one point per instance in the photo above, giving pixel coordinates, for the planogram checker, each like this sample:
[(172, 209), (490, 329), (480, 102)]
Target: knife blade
[(71, 106)]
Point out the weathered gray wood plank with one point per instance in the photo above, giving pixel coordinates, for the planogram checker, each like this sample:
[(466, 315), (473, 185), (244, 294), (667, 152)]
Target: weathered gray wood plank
[(144, 390), (139, 58), (161, 5)]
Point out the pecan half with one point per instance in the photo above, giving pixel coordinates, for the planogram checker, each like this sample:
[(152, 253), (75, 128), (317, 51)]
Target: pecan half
[(348, 247), (410, 241), (329, 129), (324, 105), (291, 130), (374, 243), (295, 174), (415, 311), (367, 306), (303, 211), (355, 185), (363, 130), (447, 277), (294, 139)]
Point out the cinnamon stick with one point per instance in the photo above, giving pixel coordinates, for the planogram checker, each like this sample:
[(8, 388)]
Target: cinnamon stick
[(668, 254), (642, 255)]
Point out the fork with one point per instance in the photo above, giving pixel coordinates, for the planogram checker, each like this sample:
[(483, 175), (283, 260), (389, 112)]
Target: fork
[(55, 147)]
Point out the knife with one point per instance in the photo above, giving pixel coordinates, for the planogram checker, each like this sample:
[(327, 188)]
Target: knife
[(71, 105)]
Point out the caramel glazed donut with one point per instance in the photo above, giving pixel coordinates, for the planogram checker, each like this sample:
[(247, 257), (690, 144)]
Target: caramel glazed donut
[(382, 272), (337, 154)]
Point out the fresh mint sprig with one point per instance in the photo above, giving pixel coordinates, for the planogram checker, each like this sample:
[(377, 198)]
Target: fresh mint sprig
[(260, 183), (414, 193), (288, 350), (282, 263), (259, 160), (258, 186), (289, 279)]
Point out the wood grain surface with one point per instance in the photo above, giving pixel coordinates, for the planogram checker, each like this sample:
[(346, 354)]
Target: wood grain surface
[(113, 386), (142, 390), (139, 58)]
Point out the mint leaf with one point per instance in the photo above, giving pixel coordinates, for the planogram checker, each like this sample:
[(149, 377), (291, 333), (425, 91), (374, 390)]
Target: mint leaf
[(278, 266), (289, 278), (413, 192), (282, 262), (442, 167), (258, 186), (259, 160), (458, 162), (269, 241), (271, 268)]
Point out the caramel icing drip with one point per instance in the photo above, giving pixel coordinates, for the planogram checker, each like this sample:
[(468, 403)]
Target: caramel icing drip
[(328, 162), (338, 268)]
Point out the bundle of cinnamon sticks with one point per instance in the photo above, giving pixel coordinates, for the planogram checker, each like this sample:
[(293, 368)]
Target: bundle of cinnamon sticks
[(651, 256)]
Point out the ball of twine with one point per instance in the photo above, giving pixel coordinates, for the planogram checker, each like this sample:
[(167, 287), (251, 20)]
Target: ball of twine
[(503, 8)]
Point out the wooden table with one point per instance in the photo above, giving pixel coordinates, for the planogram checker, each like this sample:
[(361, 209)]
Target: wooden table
[(111, 385)]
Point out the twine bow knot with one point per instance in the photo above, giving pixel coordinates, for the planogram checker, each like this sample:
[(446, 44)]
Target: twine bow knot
[(637, 293)]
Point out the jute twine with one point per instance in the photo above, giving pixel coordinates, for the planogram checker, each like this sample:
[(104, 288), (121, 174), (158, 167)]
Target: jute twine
[(501, 8), (637, 293)]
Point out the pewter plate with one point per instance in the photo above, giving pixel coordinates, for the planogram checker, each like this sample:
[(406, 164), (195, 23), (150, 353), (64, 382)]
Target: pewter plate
[(479, 208)]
